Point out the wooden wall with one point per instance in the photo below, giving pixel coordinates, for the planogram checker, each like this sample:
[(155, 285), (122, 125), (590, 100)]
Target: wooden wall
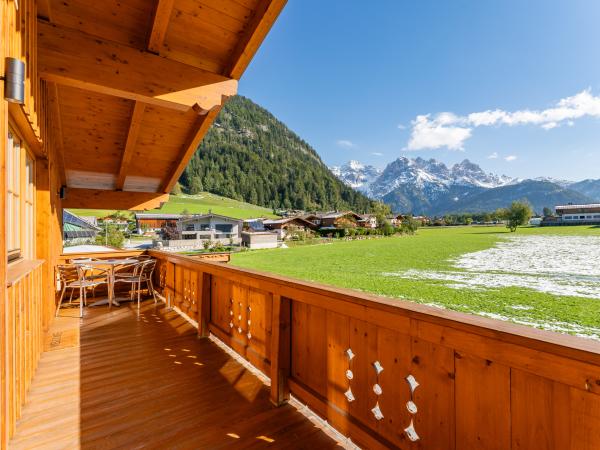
[(482, 384), (26, 286)]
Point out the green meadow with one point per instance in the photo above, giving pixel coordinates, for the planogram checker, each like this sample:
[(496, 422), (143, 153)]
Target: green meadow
[(366, 266), (195, 204)]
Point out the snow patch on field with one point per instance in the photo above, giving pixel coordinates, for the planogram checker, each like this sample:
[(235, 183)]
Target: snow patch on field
[(558, 265)]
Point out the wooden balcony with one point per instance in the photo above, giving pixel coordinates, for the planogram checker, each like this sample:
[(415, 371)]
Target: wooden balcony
[(121, 379)]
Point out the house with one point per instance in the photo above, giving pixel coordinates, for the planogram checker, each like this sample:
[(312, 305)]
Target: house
[(77, 230), (103, 105), (155, 222), (344, 219), (259, 239), (286, 226), (368, 221), (209, 227), (588, 214), (254, 224)]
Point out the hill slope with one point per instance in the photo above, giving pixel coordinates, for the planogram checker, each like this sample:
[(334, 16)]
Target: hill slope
[(195, 204), (249, 155)]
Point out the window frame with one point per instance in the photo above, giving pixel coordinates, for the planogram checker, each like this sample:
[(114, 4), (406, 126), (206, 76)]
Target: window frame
[(20, 189)]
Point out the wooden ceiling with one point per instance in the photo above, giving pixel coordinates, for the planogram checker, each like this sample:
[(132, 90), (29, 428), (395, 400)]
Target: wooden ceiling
[(134, 85)]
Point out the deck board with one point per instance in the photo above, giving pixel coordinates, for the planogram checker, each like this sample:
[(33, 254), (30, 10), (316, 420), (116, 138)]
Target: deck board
[(119, 380)]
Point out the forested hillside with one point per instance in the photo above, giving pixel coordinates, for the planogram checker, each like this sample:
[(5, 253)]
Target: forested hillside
[(249, 155)]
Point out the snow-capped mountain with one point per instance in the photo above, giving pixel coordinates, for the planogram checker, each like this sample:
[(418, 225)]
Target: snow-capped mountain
[(356, 175), (430, 187), (433, 176)]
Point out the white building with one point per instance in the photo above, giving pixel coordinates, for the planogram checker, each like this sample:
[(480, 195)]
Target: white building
[(579, 214)]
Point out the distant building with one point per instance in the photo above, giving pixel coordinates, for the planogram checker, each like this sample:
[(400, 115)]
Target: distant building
[(210, 227), (77, 230), (283, 227), (155, 222), (260, 239), (368, 221), (575, 215)]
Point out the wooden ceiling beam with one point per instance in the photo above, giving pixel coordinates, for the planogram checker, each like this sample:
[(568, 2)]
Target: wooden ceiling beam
[(132, 135), (104, 199), (73, 58), (200, 128), (162, 16), (255, 32)]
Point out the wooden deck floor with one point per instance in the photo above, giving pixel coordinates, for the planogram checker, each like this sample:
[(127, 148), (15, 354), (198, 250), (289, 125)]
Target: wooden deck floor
[(119, 381)]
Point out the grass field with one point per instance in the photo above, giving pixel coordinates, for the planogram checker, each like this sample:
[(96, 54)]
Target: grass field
[(196, 204), (436, 267)]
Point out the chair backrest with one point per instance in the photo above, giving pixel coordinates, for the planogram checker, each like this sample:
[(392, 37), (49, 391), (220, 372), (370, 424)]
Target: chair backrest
[(143, 258), (148, 268), (67, 273)]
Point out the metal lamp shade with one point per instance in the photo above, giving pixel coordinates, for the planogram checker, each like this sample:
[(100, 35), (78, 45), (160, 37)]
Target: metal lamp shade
[(14, 80)]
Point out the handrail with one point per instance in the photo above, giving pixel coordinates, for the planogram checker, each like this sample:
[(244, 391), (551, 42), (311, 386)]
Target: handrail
[(490, 327), (326, 345)]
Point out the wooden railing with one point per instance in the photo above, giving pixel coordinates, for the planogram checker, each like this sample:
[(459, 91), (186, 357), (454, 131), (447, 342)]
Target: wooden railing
[(390, 373), (22, 337)]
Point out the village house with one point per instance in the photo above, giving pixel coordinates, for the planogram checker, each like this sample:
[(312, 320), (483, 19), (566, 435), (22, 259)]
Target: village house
[(286, 226), (335, 220), (155, 222), (210, 227), (77, 230)]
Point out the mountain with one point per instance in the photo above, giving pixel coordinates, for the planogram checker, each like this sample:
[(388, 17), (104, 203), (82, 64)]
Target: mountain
[(430, 187), (539, 194), (251, 156), (356, 175), (590, 188)]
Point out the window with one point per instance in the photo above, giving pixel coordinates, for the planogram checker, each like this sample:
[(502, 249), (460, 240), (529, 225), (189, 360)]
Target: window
[(20, 200), (189, 227), (224, 228)]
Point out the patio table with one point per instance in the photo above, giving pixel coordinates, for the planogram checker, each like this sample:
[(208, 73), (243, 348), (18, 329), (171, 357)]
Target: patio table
[(110, 265)]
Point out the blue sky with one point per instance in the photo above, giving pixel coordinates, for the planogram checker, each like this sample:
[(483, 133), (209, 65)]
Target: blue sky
[(369, 81)]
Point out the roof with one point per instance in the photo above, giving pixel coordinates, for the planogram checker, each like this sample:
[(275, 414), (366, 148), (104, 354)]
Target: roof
[(138, 84), (158, 216), (74, 222), (207, 216), (589, 205), (335, 215)]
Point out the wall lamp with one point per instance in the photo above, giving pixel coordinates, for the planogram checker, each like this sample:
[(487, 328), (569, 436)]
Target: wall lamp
[(14, 80)]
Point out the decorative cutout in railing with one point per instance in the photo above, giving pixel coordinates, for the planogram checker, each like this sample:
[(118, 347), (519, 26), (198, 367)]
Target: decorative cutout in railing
[(378, 391), (349, 375), (411, 406)]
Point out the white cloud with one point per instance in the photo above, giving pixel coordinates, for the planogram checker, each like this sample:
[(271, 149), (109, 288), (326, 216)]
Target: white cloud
[(436, 133), (493, 156), (376, 154), (345, 143), (510, 158), (449, 130), (402, 127)]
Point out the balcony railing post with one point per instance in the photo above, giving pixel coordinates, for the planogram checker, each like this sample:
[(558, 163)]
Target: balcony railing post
[(280, 349), (204, 306)]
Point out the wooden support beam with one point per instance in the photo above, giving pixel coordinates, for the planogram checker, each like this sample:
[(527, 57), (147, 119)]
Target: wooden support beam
[(257, 29), (162, 16), (204, 306), (101, 199), (56, 122), (132, 135), (200, 128), (280, 349), (72, 58)]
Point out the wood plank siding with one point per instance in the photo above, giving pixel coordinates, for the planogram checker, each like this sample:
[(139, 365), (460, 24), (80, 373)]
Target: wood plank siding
[(123, 380), (481, 383)]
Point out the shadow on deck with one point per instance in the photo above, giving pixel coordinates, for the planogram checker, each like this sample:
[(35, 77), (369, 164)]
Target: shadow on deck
[(119, 380)]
